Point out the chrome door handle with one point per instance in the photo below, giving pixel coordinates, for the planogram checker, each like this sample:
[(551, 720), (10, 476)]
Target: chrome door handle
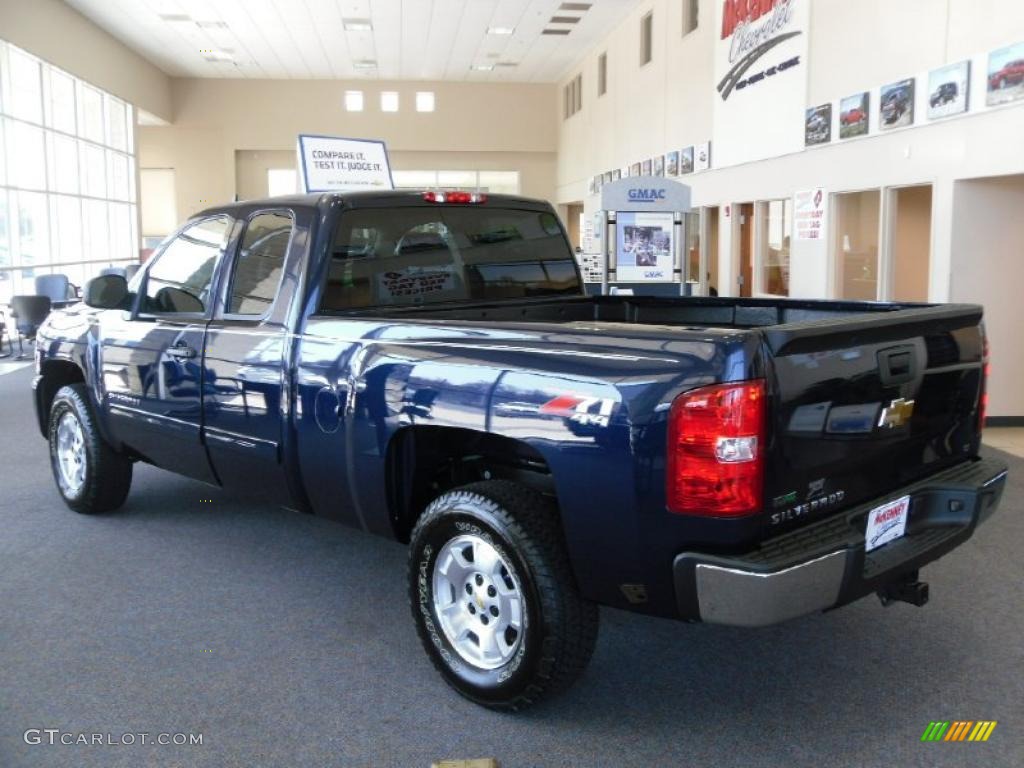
[(181, 349)]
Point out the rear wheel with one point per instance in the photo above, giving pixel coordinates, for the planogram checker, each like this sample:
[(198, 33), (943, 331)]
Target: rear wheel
[(91, 477), (493, 597)]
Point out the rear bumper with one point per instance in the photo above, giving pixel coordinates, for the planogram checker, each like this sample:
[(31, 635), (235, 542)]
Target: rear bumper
[(824, 565)]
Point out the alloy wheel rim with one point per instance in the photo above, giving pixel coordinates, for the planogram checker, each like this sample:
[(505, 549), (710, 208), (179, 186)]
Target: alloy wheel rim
[(71, 456), (478, 602)]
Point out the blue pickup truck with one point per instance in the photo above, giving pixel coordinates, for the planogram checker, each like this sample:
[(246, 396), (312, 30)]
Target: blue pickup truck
[(427, 367)]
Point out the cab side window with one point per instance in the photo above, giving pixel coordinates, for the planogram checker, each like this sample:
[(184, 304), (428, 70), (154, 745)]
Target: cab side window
[(260, 261), (181, 280)]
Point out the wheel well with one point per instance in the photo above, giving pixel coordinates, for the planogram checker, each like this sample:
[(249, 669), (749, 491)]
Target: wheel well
[(55, 374), (424, 462)]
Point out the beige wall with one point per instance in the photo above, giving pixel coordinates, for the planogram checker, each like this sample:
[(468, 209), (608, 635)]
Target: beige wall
[(55, 32), (474, 126), (988, 268), (536, 169)]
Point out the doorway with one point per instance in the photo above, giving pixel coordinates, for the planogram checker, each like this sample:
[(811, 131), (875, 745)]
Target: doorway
[(711, 247), (910, 242), (573, 223), (746, 278)]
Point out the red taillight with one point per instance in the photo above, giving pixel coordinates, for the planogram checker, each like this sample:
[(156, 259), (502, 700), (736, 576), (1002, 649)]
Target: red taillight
[(715, 461), (986, 368), (454, 197)]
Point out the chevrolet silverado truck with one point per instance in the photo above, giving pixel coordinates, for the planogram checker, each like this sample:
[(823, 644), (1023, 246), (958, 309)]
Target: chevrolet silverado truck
[(427, 367)]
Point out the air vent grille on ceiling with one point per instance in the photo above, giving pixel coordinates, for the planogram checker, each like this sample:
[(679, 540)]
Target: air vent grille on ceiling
[(175, 17), (574, 7), (555, 32), (564, 19), (212, 24)]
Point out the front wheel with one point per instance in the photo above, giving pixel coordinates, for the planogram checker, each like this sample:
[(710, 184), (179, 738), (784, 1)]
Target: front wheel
[(493, 597), (91, 477)]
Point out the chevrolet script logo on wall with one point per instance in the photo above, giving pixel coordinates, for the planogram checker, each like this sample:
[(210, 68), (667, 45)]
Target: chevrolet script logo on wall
[(896, 414), (753, 36)]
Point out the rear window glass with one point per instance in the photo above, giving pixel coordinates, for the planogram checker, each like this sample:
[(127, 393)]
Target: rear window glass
[(409, 256)]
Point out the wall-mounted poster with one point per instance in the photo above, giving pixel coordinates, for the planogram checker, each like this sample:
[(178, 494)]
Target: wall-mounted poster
[(634, 169), (686, 161), (645, 168), (659, 165), (643, 251), (948, 90), (809, 214), (818, 125), (672, 164), (702, 156), (896, 105), (853, 116), (1005, 75)]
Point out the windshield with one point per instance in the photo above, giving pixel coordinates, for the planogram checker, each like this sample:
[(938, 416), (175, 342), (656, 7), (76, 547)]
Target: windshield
[(416, 255)]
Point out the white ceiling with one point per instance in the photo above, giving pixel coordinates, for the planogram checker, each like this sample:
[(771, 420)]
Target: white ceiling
[(410, 39)]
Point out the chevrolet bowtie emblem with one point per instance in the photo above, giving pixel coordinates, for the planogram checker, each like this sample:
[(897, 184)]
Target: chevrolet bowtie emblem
[(896, 414)]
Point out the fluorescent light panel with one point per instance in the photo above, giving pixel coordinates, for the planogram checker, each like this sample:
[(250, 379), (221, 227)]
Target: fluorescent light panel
[(357, 25), (500, 30), (482, 67), (365, 64)]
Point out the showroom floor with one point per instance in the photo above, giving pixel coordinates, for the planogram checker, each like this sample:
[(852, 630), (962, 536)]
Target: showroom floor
[(286, 641)]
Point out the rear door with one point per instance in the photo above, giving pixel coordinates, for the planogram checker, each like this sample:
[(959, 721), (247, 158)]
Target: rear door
[(153, 375), (859, 417), (247, 342)]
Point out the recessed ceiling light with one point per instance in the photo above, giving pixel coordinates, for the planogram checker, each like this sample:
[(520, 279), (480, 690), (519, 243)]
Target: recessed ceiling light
[(216, 54), (357, 25), (500, 30), (365, 64), (482, 67), (175, 17), (564, 19), (555, 32)]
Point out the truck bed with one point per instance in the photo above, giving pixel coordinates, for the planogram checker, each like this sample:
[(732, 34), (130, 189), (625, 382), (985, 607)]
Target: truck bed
[(790, 325)]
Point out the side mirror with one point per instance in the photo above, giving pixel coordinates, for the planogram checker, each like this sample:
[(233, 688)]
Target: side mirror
[(106, 292)]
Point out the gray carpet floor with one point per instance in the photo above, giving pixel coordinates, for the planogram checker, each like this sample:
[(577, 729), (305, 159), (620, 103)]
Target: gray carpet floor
[(287, 641)]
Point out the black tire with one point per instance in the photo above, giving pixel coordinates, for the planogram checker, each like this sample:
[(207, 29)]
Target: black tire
[(108, 475), (560, 627)]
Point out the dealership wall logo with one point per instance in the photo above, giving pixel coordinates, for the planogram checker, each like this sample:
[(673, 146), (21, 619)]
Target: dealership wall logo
[(756, 27)]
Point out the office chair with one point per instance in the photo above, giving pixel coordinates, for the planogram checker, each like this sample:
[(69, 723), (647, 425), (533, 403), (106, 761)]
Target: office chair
[(28, 313), (56, 286), (113, 271), (3, 330)]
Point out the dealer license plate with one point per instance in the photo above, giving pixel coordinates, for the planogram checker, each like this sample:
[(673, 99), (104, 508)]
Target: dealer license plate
[(886, 523)]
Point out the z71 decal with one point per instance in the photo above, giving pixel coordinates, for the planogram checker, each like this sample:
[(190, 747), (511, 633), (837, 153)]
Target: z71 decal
[(582, 410)]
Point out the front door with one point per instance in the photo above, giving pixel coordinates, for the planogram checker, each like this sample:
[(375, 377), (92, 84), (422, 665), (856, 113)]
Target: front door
[(153, 374)]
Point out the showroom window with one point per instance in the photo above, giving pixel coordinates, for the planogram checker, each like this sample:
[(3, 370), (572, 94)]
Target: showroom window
[(691, 10), (647, 38), (498, 182), (67, 176), (775, 221)]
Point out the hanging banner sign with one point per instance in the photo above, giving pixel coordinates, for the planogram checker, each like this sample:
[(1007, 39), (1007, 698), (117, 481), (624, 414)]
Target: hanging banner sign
[(809, 214), (332, 164), (760, 61), (644, 250)]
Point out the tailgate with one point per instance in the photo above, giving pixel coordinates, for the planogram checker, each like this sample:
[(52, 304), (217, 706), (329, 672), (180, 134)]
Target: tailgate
[(866, 404)]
